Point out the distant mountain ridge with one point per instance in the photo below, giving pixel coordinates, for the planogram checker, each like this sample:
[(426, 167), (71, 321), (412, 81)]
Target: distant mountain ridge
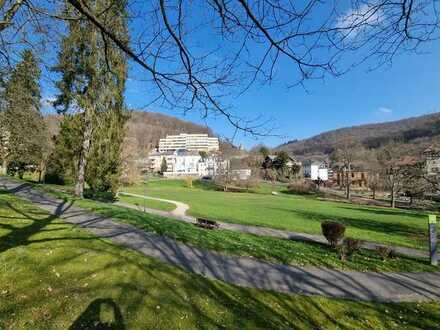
[(414, 134)]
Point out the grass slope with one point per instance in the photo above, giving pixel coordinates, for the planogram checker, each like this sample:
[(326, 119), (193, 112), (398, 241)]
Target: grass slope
[(148, 203), (266, 248), (56, 276), (296, 213)]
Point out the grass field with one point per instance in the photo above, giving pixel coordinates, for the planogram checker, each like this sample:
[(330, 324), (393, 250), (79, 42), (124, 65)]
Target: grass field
[(266, 248), (56, 276), (148, 203), (293, 212)]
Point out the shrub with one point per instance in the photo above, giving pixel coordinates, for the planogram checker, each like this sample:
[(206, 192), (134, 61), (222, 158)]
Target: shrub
[(333, 232), (301, 187), (385, 252), (349, 247)]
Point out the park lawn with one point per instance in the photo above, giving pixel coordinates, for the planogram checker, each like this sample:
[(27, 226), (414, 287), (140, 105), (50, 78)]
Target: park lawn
[(148, 203), (57, 276), (236, 243), (294, 212)]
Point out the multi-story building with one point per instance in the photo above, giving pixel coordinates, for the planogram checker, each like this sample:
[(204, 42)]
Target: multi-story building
[(432, 164), (316, 171), (184, 163), (190, 142), (358, 178)]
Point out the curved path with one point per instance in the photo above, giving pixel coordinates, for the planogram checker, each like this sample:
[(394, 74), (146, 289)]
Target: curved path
[(180, 214), (242, 271)]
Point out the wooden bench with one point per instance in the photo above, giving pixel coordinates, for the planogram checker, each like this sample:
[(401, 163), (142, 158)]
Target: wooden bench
[(207, 224)]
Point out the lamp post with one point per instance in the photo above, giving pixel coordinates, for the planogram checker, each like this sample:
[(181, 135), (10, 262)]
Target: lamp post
[(433, 239)]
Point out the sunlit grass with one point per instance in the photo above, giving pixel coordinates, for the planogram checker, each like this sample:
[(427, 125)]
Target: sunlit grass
[(293, 212), (56, 276), (230, 242)]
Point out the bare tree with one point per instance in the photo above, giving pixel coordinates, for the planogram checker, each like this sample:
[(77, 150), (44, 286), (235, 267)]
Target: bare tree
[(248, 42), (347, 155), (396, 168)]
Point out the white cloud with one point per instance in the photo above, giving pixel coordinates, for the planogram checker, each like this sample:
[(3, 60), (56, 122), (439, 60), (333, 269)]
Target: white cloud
[(355, 20), (385, 110)]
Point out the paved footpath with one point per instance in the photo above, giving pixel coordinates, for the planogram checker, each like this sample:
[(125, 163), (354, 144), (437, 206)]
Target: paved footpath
[(180, 214), (247, 272)]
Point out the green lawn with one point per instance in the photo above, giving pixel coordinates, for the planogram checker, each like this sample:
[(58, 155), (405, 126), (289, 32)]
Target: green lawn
[(148, 203), (56, 276), (293, 212), (230, 242)]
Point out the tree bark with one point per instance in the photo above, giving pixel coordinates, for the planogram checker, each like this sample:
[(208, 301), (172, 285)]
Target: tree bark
[(348, 183), (82, 163), (4, 169), (393, 194)]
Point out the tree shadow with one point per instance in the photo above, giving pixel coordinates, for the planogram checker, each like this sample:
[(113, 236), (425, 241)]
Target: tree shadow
[(361, 223), (102, 313), (20, 236)]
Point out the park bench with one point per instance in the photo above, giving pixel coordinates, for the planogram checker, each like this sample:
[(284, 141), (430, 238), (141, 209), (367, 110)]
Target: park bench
[(207, 224)]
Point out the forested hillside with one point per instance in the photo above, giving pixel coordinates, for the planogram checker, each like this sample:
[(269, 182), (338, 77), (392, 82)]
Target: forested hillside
[(144, 129), (414, 134)]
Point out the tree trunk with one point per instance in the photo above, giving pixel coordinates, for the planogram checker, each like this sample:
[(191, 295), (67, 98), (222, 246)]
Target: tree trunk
[(348, 183), (42, 171), (82, 163), (374, 193), (393, 197), (4, 169)]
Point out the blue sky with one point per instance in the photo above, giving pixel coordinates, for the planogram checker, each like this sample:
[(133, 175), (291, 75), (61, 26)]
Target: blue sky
[(408, 87)]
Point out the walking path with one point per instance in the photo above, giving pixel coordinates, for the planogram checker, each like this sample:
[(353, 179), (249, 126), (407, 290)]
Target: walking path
[(180, 214), (247, 272)]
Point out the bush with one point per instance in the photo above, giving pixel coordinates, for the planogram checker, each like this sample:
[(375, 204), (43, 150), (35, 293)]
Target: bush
[(349, 247), (301, 187), (385, 252), (333, 232)]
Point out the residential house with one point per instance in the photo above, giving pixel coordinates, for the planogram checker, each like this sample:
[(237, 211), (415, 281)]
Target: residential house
[(183, 162), (432, 161), (316, 170), (358, 178)]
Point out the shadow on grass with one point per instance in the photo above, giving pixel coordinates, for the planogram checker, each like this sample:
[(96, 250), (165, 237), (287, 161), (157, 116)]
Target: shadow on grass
[(19, 236), (100, 314), (384, 211), (397, 229), (251, 308)]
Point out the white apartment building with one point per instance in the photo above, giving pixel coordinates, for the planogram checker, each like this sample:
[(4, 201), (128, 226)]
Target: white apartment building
[(190, 142), (184, 163)]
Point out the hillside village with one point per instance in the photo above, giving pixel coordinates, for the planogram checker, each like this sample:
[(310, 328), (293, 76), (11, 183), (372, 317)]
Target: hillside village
[(199, 156)]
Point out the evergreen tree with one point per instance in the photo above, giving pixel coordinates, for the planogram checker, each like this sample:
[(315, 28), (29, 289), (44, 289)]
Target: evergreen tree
[(62, 164), (24, 130), (93, 81), (163, 166)]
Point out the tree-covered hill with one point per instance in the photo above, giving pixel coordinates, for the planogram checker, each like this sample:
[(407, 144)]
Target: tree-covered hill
[(414, 134)]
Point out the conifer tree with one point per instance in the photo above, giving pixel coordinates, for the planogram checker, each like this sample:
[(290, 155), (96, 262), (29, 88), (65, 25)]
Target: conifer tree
[(24, 130), (93, 80)]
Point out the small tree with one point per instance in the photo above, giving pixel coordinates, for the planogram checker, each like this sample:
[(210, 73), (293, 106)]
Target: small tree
[(163, 166), (333, 232), (347, 154)]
